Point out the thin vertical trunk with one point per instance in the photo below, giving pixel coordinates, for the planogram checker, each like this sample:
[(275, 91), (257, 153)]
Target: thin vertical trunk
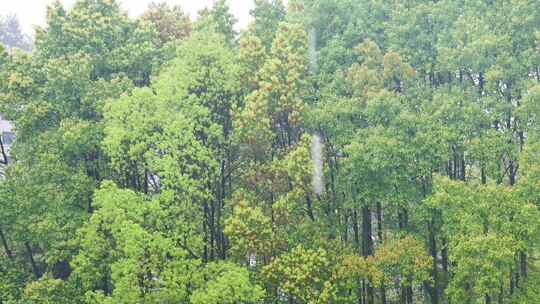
[(345, 236), (379, 222), (403, 219), (403, 222), (444, 254), (523, 263), (367, 244), (512, 285), (511, 173), (367, 241), (220, 202), (381, 240), (356, 233), (409, 293), (145, 185), (481, 83), (455, 164), (516, 274), (310, 208), (212, 230), (4, 159), (205, 232), (5, 244), (383, 294), (35, 268), (434, 271), (356, 236), (462, 176), (363, 298), (449, 168)]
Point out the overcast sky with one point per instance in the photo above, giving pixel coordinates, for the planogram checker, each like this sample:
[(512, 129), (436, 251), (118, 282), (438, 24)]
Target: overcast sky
[(32, 12)]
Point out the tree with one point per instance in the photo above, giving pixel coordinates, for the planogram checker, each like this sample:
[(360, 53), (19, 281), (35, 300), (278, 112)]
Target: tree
[(172, 23), (11, 34), (391, 155), (267, 15), (218, 19)]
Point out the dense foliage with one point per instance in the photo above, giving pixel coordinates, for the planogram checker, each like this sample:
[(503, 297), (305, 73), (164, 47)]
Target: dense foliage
[(165, 160)]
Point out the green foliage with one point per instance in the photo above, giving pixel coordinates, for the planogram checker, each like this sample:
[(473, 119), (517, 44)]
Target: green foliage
[(218, 19), (228, 284), (267, 15), (160, 160), (249, 231), (301, 273)]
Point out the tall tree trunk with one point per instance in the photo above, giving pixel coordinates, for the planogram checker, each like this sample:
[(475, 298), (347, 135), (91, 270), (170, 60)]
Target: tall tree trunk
[(444, 254), (220, 204), (367, 244), (4, 159), (409, 293), (5, 244), (205, 232), (345, 225), (462, 172), (356, 231), (434, 271), (383, 295), (403, 219), (511, 173), (363, 298), (367, 240), (310, 208), (379, 222), (512, 284), (35, 268), (212, 230), (523, 263), (381, 240)]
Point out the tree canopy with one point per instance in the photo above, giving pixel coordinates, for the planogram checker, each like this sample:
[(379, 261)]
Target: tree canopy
[(333, 151)]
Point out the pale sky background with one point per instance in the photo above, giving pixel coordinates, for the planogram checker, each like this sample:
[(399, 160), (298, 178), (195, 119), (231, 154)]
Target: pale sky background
[(32, 12)]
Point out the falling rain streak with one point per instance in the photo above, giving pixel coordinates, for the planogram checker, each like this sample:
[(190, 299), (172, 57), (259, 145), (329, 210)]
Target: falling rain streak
[(316, 158), (313, 50)]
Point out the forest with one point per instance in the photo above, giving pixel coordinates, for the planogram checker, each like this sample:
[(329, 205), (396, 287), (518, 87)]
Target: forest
[(332, 151)]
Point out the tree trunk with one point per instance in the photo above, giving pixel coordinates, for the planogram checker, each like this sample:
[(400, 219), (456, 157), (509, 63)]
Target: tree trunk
[(35, 268), (310, 208), (523, 263), (434, 271), (383, 294), (205, 233), (512, 285), (409, 293), (381, 240), (356, 233), (5, 244), (367, 245), (379, 222), (367, 241), (403, 219)]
